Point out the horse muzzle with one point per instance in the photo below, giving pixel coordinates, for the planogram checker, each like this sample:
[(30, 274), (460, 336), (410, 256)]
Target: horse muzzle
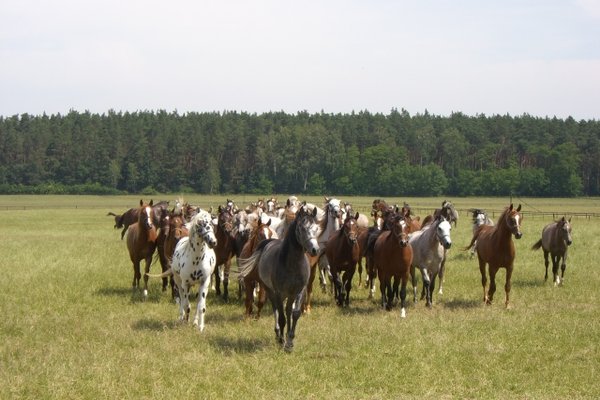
[(518, 235), (212, 243), (447, 245)]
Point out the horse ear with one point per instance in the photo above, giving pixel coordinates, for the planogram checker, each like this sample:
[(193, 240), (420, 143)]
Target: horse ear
[(519, 208), (314, 212), (268, 223), (569, 219), (357, 215), (151, 203)]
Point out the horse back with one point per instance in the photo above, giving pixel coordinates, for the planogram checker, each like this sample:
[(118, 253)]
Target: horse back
[(551, 242)]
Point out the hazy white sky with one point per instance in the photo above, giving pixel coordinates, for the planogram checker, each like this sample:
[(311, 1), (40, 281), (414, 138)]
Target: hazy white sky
[(540, 57)]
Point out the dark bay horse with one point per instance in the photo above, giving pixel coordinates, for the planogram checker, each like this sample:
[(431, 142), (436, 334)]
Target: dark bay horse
[(393, 257), (343, 253), (141, 243), (172, 229), (556, 239), (496, 249), (284, 269), (261, 231), (225, 249)]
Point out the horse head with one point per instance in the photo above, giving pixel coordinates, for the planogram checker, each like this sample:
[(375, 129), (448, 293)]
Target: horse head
[(307, 229), (564, 227), (513, 221), (350, 229), (203, 227), (400, 230), (442, 231)]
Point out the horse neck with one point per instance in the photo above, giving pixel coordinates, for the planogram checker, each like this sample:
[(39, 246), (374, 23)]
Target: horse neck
[(330, 224), (502, 233), (291, 244)]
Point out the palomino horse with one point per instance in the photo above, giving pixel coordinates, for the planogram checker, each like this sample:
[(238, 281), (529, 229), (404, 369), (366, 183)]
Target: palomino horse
[(141, 243), (556, 239), (284, 269), (393, 257), (225, 249), (194, 262), (429, 250), (343, 253), (329, 223), (261, 231), (496, 249)]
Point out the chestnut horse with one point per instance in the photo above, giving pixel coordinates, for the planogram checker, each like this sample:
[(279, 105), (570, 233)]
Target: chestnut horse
[(393, 257), (556, 239), (496, 249), (141, 243), (343, 253), (261, 231)]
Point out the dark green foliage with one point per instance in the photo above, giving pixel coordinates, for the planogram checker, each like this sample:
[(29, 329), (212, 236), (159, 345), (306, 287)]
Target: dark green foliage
[(346, 154)]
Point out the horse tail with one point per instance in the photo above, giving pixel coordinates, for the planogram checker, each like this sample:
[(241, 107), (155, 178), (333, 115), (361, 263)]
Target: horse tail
[(247, 265), (111, 213), (165, 274), (537, 245)]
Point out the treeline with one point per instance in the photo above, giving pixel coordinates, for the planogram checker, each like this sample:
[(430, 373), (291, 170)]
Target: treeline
[(397, 154)]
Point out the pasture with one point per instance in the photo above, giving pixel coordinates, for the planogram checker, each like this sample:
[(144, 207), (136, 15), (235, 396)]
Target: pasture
[(71, 327)]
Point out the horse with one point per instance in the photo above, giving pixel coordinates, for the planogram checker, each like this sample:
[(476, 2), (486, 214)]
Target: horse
[(343, 253), (131, 216), (141, 243), (172, 229), (362, 221), (261, 231), (194, 261), (284, 269), (363, 239), (429, 247), (328, 224), (225, 249), (480, 217), (393, 256), (496, 249), (556, 239)]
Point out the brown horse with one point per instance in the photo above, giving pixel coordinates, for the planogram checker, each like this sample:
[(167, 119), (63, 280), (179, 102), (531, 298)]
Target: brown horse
[(172, 229), (496, 248), (225, 249), (393, 257), (141, 243), (343, 253), (261, 231), (556, 239)]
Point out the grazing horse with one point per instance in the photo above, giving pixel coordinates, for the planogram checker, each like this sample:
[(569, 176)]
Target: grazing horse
[(496, 249), (284, 269), (429, 250), (261, 231), (343, 253), (225, 249), (141, 243), (556, 239), (194, 262), (393, 257)]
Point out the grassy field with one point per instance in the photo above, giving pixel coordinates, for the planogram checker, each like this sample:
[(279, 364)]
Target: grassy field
[(71, 327)]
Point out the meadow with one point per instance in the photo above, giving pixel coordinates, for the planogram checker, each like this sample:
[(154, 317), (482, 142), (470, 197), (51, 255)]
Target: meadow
[(72, 328)]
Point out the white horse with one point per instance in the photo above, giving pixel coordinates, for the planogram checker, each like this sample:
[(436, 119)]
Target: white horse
[(194, 262), (480, 218), (429, 248)]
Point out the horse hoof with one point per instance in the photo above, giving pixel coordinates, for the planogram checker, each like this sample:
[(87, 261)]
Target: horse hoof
[(145, 293), (403, 313)]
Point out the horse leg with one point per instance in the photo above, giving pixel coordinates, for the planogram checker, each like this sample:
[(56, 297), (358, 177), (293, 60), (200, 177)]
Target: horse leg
[(442, 272), (262, 297), (309, 286), (324, 270), (546, 263), (414, 282), (555, 266), (563, 267), (371, 274), (184, 303), (507, 285), (146, 277), (360, 271), (348, 275), (395, 286), (226, 270), (201, 308), (293, 312), (403, 296), (217, 274), (382, 289), (426, 286), (338, 288), (492, 288), (136, 275), (483, 279), (249, 292)]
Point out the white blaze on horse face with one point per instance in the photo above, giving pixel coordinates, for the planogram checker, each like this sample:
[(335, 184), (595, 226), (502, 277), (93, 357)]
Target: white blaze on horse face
[(444, 229), (149, 216)]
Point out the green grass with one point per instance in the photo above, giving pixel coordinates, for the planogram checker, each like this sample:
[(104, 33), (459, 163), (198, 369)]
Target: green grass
[(71, 327)]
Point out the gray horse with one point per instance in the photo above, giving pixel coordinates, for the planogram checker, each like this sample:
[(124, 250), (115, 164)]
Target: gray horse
[(556, 239)]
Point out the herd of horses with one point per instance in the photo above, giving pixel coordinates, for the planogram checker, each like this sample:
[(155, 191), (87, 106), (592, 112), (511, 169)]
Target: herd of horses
[(282, 249)]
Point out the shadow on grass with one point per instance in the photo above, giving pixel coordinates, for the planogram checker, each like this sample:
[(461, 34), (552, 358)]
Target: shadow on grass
[(136, 296), (528, 283), (150, 324), (456, 304), (241, 345)]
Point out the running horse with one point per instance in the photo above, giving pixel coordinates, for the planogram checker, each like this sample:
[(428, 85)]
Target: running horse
[(261, 231), (284, 269), (556, 239), (141, 243), (343, 253), (496, 248), (393, 256), (225, 248)]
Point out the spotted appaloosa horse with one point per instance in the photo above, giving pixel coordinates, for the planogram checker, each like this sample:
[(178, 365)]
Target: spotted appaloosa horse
[(141, 243), (555, 241), (496, 249), (193, 263)]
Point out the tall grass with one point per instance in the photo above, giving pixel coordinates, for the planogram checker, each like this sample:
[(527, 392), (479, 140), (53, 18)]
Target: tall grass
[(71, 327)]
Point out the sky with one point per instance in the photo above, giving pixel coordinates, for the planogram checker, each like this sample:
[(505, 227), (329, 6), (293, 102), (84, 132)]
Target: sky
[(536, 57)]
